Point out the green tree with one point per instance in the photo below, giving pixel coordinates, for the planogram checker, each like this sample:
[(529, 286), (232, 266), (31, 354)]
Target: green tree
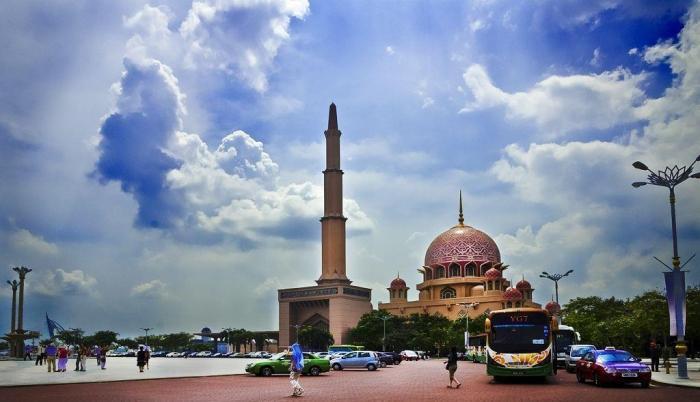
[(102, 338), (71, 336), (128, 342), (176, 342), (314, 338)]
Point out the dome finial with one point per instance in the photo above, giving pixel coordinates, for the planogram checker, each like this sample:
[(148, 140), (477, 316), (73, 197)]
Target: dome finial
[(461, 216)]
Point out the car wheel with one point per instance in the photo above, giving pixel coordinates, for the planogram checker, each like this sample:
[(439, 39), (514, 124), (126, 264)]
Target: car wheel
[(645, 384), (266, 371), (337, 367), (579, 377), (596, 380), (371, 367), (383, 365), (314, 371)]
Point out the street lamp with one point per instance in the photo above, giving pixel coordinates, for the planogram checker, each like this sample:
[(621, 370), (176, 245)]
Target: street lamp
[(670, 177), (384, 318), (297, 326), (146, 329), (555, 278), (466, 333)]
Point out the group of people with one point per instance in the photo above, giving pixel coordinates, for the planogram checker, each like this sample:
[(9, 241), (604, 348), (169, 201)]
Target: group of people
[(56, 357)]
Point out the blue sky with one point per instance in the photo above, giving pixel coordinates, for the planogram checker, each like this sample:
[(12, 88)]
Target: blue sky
[(161, 161)]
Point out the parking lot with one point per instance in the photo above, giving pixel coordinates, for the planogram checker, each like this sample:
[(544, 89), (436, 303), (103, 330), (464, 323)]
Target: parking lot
[(421, 380)]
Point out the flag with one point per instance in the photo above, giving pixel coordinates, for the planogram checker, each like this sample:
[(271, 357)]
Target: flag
[(675, 297)]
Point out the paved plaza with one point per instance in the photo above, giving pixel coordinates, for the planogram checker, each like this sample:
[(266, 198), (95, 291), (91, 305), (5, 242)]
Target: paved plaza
[(420, 381)]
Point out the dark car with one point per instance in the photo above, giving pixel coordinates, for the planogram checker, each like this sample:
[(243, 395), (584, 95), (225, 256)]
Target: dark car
[(384, 359), (612, 366), (395, 357)]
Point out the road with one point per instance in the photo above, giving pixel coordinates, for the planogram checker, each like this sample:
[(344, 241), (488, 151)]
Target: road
[(410, 381)]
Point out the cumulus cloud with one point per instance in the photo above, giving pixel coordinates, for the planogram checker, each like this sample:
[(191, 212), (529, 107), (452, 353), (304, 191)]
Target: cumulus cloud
[(560, 105), (66, 283), (154, 289), (390, 50), (24, 240)]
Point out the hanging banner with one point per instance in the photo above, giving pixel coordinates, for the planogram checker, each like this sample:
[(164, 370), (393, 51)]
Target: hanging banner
[(675, 297)]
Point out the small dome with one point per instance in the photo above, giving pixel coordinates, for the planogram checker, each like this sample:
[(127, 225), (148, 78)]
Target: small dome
[(492, 274), (552, 307), (523, 285), (512, 294), (477, 290), (397, 283), (205, 330)]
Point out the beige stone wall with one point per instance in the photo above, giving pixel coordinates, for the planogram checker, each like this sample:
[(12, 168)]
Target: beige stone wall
[(284, 323), (345, 313)]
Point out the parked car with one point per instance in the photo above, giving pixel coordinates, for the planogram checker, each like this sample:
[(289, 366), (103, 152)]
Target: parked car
[(409, 355), (322, 355), (396, 357), (217, 354), (384, 359), (236, 354), (279, 364), (336, 355), (204, 353), (161, 353), (576, 352), (612, 366), (191, 354), (173, 354), (360, 359)]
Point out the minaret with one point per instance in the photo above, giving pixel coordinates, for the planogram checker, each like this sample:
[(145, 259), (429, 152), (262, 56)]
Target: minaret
[(333, 221)]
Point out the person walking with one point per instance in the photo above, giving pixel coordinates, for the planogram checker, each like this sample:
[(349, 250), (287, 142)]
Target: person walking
[(295, 367), (96, 352), (51, 357), (451, 366), (148, 357), (78, 357), (141, 358), (103, 357), (62, 358), (83, 356), (654, 354), (40, 353), (28, 352)]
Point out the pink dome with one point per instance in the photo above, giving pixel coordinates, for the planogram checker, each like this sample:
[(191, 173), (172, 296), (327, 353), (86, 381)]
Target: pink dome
[(397, 283), (462, 244), (523, 285), (552, 307), (512, 294), (492, 274)]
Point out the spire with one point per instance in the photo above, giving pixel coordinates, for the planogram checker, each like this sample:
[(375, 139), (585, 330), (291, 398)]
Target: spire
[(332, 118), (461, 216)]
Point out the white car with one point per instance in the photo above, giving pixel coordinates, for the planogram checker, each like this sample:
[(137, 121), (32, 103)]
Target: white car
[(409, 355), (173, 354), (205, 353), (575, 354)]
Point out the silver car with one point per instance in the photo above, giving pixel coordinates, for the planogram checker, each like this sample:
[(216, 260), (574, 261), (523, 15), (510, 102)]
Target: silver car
[(360, 359), (575, 354)]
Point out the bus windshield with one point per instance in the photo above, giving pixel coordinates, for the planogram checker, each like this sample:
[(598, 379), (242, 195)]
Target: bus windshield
[(565, 338), (519, 332)]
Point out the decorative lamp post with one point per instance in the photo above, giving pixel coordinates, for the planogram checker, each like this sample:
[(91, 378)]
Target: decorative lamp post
[(297, 326), (384, 318), (467, 306), (671, 177), (22, 271), (146, 329), (555, 278)]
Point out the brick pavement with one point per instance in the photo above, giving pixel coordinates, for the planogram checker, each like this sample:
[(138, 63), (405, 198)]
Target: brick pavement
[(410, 381)]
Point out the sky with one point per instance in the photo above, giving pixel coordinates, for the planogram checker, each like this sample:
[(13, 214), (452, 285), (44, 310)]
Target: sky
[(161, 161)]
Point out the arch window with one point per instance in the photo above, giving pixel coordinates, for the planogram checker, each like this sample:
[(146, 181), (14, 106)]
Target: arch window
[(489, 285), (454, 270), (470, 269), (448, 293), (509, 304), (440, 272)]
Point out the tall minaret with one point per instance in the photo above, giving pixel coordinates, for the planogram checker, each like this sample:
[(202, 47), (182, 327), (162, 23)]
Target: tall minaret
[(333, 221)]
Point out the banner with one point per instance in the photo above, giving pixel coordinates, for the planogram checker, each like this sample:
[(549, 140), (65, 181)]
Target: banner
[(675, 297)]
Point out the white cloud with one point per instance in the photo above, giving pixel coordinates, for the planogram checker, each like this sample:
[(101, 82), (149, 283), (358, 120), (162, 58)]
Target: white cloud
[(66, 283), (389, 50), (25, 241), (478, 25), (597, 58), (562, 104), (154, 289)]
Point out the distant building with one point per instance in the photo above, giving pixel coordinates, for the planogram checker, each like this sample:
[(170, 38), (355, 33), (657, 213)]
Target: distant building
[(462, 265)]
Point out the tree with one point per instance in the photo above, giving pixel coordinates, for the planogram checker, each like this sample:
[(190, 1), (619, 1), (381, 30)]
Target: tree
[(102, 338), (72, 336), (128, 342), (177, 341), (314, 338)]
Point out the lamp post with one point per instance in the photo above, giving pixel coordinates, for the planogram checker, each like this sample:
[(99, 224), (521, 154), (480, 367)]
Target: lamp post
[(297, 326), (555, 278), (671, 177), (146, 329), (384, 318), (467, 306)]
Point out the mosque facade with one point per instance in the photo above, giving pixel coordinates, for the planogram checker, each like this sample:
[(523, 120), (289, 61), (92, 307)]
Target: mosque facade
[(462, 273)]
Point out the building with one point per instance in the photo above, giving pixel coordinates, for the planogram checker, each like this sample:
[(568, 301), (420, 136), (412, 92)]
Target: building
[(462, 266), (333, 303)]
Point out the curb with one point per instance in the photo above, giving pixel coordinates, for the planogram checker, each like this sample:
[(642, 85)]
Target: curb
[(118, 380)]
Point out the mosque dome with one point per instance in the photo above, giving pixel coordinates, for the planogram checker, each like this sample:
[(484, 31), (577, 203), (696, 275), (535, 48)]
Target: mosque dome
[(523, 285), (552, 307), (492, 274), (205, 330), (462, 243), (512, 294), (397, 283)]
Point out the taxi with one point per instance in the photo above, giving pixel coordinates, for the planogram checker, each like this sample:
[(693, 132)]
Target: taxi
[(612, 366)]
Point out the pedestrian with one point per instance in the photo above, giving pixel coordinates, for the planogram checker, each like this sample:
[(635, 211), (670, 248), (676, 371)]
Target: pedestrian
[(141, 358), (62, 358), (28, 352), (666, 353), (40, 353), (51, 357), (654, 354), (103, 357), (97, 354), (295, 367), (451, 366), (83, 356), (78, 357), (148, 357)]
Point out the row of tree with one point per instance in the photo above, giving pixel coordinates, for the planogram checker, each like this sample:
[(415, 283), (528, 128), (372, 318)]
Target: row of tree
[(624, 323)]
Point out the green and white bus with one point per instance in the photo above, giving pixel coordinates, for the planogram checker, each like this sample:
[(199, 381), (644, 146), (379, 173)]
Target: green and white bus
[(520, 343), (344, 348)]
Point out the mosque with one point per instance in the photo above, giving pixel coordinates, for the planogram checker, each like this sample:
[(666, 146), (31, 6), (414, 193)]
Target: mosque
[(462, 267)]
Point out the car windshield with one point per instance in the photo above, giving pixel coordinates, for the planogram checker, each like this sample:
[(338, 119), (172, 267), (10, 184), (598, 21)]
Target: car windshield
[(519, 333), (615, 357), (579, 352)]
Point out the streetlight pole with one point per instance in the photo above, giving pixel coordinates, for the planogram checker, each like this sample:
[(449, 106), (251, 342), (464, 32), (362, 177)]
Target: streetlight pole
[(671, 177), (297, 326), (466, 333), (555, 278), (386, 317), (146, 329)]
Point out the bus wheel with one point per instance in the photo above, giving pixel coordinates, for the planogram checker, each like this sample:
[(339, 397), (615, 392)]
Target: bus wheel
[(497, 378)]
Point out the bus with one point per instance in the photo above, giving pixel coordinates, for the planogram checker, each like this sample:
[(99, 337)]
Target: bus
[(565, 337), (520, 342), (344, 348)]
